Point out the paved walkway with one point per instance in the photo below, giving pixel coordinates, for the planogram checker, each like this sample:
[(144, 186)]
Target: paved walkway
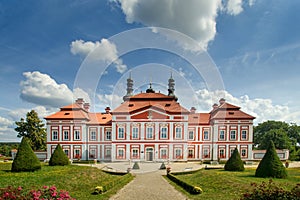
[(149, 185)]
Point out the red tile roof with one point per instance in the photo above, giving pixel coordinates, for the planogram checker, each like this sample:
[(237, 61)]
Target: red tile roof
[(155, 101), (229, 111), (199, 118)]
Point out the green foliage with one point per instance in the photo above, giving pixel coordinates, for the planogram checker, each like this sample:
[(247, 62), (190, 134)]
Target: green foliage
[(270, 165), (59, 157), (284, 135), (235, 162), (272, 192), (5, 148), (33, 129), (25, 159), (136, 165), (188, 187)]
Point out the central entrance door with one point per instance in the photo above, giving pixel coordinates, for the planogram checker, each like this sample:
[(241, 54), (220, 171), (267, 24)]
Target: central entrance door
[(149, 154)]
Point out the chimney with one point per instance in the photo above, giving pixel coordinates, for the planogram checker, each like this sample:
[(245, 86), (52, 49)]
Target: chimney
[(80, 102), (222, 101), (107, 110), (215, 106), (86, 106), (193, 110)]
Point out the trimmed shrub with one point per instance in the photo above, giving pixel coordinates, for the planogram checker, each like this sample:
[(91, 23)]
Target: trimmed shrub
[(136, 166), (25, 160), (59, 157), (235, 162), (162, 166), (189, 188), (270, 165)]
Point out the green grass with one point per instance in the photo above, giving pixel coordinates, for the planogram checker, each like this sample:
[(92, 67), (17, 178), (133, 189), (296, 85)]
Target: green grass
[(225, 185), (79, 181)]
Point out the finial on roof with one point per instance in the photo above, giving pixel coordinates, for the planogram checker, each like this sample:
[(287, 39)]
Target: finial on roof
[(150, 90)]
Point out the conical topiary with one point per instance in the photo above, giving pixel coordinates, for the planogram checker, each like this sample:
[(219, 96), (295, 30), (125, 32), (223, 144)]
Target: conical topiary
[(162, 166), (270, 165), (25, 160), (235, 162), (136, 166), (59, 157)]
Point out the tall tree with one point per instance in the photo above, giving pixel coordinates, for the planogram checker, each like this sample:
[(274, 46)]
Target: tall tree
[(33, 129)]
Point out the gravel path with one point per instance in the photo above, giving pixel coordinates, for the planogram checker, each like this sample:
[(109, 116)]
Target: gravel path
[(149, 186)]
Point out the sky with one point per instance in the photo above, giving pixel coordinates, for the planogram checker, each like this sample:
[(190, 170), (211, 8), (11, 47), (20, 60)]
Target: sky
[(52, 52)]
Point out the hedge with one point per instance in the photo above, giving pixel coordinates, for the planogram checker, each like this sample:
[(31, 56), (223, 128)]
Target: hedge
[(125, 179), (115, 172), (186, 172), (189, 188)]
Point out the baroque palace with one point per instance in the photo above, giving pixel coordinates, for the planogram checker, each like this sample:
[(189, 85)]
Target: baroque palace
[(150, 126)]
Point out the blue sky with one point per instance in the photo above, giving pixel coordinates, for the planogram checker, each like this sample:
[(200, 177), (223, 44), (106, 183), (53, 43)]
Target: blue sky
[(254, 45)]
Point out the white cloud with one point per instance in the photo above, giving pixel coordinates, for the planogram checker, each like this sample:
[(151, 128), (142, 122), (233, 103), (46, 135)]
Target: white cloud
[(41, 89), (195, 18), (234, 7), (103, 50), (262, 109), (111, 100)]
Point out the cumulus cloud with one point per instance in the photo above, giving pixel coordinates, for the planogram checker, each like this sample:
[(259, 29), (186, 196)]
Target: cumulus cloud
[(41, 89), (111, 100), (103, 50), (195, 18), (234, 7), (262, 109)]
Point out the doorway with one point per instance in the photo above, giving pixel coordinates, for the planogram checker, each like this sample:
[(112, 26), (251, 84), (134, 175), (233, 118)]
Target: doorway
[(149, 154)]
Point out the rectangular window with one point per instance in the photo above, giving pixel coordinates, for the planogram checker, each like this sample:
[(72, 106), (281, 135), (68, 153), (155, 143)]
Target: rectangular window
[(92, 153), (55, 135), (232, 135), (205, 135), (107, 153), (121, 134), (93, 135), (135, 153), (163, 153), (108, 135), (76, 135), (178, 133), (178, 153), (191, 135), (163, 132), (231, 151), (222, 135), (149, 132), (222, 153), (121, 153), (244, 134), (244, 153), (77, 154), (206, 153), (191, 153), (66, 135), (135, 132)]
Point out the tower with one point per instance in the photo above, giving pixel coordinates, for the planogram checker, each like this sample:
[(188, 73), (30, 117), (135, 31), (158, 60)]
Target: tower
[(129, 88), (171, 88)]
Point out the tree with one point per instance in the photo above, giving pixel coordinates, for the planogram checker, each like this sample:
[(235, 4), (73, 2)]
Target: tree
[(284, 135), (235, 162), (270, 165), (59, 157), (25, 159), (33, 129)]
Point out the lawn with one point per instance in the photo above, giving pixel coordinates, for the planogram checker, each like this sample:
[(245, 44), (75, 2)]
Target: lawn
[(225, 185), (79, 181)]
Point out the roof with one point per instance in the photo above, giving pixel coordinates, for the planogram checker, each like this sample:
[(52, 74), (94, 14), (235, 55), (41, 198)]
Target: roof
[(156, 101), (229, 111), (199, 118)]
